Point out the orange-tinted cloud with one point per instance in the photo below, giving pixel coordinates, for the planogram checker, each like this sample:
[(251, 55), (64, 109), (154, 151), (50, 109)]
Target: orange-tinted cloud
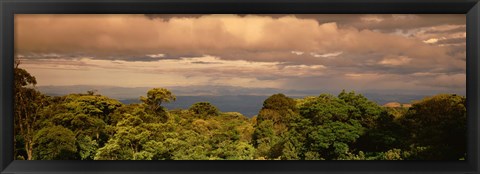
[(391, 45)]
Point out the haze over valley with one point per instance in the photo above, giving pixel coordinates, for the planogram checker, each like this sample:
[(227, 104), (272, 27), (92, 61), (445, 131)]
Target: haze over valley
[(247, 101)]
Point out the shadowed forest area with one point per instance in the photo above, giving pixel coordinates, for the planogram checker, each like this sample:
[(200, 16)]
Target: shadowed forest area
[(348, 126)]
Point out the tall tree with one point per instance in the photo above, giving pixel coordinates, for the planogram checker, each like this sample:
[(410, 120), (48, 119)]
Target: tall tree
[(271, 123), (155, 98), (28, 103)]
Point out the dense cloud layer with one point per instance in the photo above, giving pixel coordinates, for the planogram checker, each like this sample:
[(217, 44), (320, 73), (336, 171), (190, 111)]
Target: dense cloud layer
[(382, 22), (279, 51)]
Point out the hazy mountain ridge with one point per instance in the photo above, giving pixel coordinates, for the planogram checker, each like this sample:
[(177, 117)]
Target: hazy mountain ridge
[(212, 90), (247, 101), (248, 105), (198, 90)]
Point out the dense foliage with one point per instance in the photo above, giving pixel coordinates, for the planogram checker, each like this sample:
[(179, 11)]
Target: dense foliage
[(345, 127)]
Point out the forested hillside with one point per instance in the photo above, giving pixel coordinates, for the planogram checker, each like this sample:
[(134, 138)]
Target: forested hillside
[(348, 126)]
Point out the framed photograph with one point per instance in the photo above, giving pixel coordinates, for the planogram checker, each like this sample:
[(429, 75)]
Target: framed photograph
[(212, 86)]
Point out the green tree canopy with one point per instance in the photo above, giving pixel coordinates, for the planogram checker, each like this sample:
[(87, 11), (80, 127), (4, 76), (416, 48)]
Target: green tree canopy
[(271, 123), (204, 109), (54, 143), (330, 128), (439, 124), (155, 98), (382, 133)]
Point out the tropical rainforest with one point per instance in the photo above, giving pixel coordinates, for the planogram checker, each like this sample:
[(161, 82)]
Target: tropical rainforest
[(348, 126)]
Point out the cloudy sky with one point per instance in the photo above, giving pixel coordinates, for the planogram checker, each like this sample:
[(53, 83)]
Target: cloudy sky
[(302, 52)]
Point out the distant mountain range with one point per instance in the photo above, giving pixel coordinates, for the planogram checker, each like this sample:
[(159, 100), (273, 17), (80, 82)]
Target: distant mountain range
[(248, 105), (199, 90), (247, 101)]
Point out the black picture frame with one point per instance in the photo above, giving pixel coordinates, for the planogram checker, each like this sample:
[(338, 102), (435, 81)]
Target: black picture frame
[(8, 8)]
